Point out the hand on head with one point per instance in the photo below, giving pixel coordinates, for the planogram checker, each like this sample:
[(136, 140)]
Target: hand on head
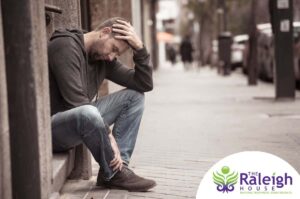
[(127, 33)]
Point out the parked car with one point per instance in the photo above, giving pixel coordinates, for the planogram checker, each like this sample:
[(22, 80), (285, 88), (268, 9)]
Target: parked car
[(237, 48), (265, 52)]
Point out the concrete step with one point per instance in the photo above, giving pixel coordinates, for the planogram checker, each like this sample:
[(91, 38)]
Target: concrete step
[(54, 195), (62, 165)]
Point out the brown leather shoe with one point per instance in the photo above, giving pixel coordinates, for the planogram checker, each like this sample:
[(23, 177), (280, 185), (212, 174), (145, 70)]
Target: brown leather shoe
[(100, 179), (127, 180)]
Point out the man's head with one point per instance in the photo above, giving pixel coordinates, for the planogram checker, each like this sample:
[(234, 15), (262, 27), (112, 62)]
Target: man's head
[(104, 45)]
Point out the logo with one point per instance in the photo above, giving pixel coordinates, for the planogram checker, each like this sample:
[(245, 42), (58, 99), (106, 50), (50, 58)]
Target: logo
[(225, 180), (264, 183), (250, 175)]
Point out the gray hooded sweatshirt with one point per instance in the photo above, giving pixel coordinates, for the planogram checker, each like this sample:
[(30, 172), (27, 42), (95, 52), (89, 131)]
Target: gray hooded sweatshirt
[(74, 80)]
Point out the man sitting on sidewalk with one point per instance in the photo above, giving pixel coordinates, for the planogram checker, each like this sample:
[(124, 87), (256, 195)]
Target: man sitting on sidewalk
[(78, 63)]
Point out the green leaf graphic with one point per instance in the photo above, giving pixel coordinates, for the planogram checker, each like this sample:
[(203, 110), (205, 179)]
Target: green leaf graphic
[(232, 180), (230, 175), (218, 179)]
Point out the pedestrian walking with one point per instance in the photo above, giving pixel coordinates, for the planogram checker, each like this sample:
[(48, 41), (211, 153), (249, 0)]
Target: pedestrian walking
[(186, 50), (171, 53)]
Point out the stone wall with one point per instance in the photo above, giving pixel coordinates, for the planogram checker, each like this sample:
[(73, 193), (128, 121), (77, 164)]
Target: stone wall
[(102, 10), (70, 17), (28, 96), (5, 175), (99, 12)]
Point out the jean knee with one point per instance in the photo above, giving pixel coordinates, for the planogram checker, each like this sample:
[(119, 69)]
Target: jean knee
[(136, 96), (136, 103), (90, 116)]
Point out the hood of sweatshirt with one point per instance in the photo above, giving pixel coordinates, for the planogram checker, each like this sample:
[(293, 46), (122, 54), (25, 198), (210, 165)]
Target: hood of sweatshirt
[(76, 34)]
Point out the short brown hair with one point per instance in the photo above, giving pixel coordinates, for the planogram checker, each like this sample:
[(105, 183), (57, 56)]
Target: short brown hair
[(109, 22)]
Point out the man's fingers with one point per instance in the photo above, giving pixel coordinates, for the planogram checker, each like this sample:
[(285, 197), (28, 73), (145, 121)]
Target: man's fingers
[(124, 32), (121, 26), (118, 165), (114, 161), (121, 166), (122, 37), (127, 34), (115, 168), (124, 22), (115, 164)]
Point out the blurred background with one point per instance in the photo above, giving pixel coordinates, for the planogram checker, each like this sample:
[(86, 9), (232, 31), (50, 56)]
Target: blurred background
[(205, 21)]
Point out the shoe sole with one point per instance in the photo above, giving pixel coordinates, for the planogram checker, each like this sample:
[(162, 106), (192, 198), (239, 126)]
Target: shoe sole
[(100, 185), (130, 190)]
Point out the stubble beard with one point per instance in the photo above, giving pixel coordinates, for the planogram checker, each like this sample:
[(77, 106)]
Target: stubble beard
[(94, 54)]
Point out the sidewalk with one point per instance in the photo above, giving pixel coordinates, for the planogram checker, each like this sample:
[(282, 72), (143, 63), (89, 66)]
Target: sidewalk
[(192, 120)]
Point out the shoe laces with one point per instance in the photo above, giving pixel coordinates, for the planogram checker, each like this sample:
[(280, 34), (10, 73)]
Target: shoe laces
[(128, 171)]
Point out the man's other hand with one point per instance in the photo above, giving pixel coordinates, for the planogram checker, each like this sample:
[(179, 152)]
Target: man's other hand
[(127, 33), (117, 162)]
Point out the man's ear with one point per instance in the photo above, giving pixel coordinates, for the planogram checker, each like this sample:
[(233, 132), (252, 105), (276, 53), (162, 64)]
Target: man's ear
[(106, 30)]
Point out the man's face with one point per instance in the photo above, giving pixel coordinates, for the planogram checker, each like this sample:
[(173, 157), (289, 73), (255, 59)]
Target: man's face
[(106, 47)]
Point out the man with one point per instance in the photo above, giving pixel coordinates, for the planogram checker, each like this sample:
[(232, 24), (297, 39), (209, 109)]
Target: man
[(78, 63)]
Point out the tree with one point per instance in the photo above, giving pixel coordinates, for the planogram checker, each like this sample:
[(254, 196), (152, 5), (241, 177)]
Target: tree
[(204, 15)]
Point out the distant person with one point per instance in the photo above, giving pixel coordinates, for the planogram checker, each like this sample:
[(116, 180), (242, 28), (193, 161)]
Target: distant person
[(186, 50), (171, 53)]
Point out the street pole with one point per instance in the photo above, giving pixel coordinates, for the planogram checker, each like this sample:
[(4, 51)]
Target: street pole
[(154, 52), (225, 15), (252, 58), (222, 18), (219, 16), (282, 18)]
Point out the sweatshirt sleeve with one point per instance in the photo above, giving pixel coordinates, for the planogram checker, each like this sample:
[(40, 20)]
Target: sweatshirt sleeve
[(139, 78), (64, 61)]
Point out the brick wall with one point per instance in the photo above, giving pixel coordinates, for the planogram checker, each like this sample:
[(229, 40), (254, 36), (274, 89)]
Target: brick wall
[(102, 10)]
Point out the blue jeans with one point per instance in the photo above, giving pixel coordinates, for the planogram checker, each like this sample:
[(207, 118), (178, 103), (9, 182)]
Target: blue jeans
[(88, 124)]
